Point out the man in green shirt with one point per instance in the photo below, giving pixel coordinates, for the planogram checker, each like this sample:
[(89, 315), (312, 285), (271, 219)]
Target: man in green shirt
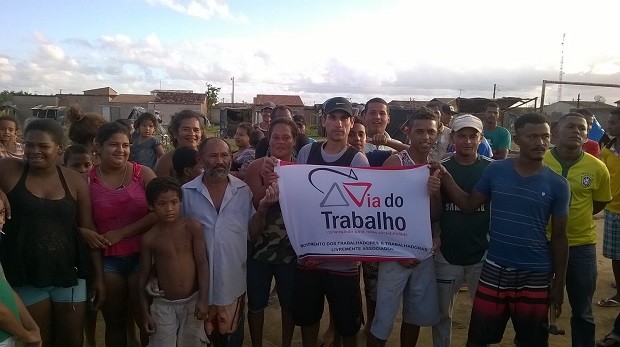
[(463, 236), (498, 136)]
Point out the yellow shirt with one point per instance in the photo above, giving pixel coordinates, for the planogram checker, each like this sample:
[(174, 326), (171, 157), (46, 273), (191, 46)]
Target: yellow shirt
[(589, 181), (612, 160)]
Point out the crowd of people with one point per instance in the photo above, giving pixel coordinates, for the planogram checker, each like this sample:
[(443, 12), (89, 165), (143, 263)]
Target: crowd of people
[(176, 248)]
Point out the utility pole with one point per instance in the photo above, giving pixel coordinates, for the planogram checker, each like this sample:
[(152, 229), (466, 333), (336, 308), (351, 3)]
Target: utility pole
[(494, 89), (561, 69), (233, 91)]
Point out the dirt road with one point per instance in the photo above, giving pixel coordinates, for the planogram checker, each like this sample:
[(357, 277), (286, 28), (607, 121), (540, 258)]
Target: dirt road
[(604, 317)]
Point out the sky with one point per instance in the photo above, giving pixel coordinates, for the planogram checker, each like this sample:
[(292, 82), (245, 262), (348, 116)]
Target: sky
[(398, 50)]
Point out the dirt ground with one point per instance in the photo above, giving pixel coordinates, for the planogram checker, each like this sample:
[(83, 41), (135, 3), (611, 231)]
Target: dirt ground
[(604, 317)]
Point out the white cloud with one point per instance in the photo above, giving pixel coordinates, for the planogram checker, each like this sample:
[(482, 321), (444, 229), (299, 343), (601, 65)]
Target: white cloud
[(52, 52), (205, 9), (401, 50), (6, 70)]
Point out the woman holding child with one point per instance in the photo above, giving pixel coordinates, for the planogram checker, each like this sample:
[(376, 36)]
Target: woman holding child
[(271, 254), (121, 213), (186, 131), (43, 254)]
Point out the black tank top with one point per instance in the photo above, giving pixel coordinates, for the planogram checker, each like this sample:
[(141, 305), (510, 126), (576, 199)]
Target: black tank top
[(42, 246), (315, 157)]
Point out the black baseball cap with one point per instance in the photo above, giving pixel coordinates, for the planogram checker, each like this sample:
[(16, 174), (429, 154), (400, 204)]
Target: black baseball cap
[(449, 109), (299, 119), (269, 105), (338, 104)]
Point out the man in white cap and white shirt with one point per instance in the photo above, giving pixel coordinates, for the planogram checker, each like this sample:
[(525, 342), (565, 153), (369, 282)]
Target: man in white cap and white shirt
[(463, 236)]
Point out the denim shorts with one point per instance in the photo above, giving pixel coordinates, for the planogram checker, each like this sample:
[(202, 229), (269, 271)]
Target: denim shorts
[(122, 265), (31, 295)]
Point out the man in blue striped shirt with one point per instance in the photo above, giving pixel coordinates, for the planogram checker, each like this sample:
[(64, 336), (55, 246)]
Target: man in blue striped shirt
[(520, 264)]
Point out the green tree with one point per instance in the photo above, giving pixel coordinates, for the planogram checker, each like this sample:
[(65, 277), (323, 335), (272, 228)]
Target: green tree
[(5, 97), (212, 94)]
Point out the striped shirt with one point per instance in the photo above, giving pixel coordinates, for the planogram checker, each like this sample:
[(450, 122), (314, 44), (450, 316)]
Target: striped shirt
[(520, 210)]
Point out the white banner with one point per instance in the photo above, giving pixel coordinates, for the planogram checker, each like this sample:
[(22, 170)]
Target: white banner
[(343, 213)]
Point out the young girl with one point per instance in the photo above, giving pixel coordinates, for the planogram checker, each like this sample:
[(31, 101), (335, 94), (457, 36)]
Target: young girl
[(83, 129), (9, 147), (145, 149), (78, 158), (121, 214)]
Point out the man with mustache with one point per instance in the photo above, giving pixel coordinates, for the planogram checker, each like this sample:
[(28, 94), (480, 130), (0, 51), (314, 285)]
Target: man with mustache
[(590, 192), (463, 236), (222, 203), (498, 136), (524, 194)]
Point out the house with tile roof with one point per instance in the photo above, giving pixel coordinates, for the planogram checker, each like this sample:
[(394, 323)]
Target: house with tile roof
[(169, 102)]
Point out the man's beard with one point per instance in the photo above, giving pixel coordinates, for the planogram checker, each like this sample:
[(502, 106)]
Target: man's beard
[(217, 173)]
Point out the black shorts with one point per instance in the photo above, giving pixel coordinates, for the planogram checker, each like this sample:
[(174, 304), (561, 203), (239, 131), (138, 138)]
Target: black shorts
[(343, 295)]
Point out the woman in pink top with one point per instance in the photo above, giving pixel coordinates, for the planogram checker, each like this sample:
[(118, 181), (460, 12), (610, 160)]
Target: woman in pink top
[(121, 213)]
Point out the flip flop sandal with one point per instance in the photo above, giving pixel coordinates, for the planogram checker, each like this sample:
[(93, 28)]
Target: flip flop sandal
[(611, 340), (609, 302)]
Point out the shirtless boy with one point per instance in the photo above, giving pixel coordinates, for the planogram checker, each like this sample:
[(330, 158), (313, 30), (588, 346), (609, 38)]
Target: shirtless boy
[(176, 247)]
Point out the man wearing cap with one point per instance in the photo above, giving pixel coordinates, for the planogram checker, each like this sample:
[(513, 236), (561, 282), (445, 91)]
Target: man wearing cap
[(440, 148), (265, 112), (447, 112), (338, 281), (520, 262), (280, 111), (376, 116), (463, 236), (301, 126), (498, 136)]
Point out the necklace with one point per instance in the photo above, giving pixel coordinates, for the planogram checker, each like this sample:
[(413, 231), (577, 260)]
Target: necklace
[(122, 186)]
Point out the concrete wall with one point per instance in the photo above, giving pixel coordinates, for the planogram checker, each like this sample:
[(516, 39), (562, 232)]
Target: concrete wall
[(168, 110), (122, 110), (25, 102), (88, 103)]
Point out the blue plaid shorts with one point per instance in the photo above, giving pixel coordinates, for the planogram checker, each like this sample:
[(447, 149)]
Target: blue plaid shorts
[(611, 237)]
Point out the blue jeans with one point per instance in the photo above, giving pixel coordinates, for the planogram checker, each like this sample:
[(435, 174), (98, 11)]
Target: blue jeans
[(580, 286)]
